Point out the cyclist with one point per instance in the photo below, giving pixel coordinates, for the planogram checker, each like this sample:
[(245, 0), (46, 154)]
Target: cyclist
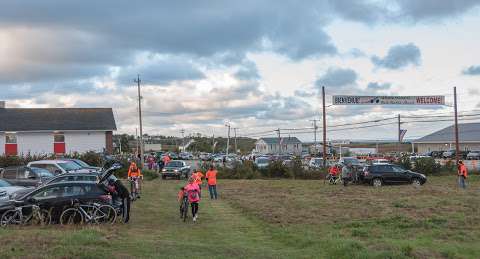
[(134, 173), (333, 172), (193, 191)]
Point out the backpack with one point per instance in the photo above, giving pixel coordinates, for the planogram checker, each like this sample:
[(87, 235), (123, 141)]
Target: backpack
[(193, 195)]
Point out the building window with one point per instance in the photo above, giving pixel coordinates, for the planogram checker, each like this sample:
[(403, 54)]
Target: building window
[(10, 138), (58, 143), (59, 138), (11, 144)]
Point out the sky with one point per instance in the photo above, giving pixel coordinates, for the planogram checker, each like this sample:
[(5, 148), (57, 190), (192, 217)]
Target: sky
[(257, 65)]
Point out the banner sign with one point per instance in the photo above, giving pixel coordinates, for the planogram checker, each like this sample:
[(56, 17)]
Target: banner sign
[(388, 100)]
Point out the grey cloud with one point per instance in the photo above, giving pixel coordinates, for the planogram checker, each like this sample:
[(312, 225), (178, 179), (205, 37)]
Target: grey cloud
[(161, 71), (337, 77), (416, 10), (473, 91), (304, 93), (398, 57), (472, 71), (248, 71), (375, 86), (363, 11)]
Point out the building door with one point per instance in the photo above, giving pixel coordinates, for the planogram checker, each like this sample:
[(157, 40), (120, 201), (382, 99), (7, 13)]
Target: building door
[(59, 143), (11, 148)]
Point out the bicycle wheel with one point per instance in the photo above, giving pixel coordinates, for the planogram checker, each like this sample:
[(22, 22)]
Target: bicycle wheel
[(185, 211), (10, 217), (105, 214), (41, 217), (71, 216)]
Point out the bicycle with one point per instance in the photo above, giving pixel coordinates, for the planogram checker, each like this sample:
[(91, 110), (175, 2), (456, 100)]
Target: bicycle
[(184, 208), (94, 213), (135, 188), (16, 216)]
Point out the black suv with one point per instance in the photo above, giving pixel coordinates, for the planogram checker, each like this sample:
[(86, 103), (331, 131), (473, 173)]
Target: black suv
[(380, 174)]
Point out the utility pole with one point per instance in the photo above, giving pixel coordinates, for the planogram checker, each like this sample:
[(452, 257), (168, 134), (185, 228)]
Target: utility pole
[(279, 141), (183, 139), (213, 144), (315, 128), (140, 119), (324, 129), (235, 132), (457, 145), (228, 137), (399, 134)]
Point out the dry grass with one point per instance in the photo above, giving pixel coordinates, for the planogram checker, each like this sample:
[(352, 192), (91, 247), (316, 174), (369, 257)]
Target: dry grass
[(276, 219)]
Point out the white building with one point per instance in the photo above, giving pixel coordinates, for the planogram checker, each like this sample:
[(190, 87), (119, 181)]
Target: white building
[(270, 146), (444, 140), (55, 130)]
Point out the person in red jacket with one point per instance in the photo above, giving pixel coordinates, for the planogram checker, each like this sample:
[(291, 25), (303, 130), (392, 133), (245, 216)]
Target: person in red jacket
[(211, 177), (462, 175)]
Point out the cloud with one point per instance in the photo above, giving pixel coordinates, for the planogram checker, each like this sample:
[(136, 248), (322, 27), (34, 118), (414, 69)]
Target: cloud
[(398, 57), (431, 10), (473, 91), (247, 71), (160, 70), (337, 77), (472, 71), (375, 86), (304, 93)]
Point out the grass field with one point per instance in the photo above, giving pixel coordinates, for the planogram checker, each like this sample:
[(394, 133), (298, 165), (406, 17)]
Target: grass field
[(276, 219)]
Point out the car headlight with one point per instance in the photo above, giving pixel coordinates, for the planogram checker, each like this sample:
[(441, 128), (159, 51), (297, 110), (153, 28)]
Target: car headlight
[(176, 171), (164, 170)]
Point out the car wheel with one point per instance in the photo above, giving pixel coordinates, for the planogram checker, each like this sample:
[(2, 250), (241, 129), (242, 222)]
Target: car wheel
[(416, 182), (377, 182)]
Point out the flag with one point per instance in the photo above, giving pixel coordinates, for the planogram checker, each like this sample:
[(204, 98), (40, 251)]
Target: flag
[(402, 134)]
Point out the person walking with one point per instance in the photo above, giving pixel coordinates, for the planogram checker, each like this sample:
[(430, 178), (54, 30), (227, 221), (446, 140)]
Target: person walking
[(211, 177), (462, 175), (346, 174), (193, 194)]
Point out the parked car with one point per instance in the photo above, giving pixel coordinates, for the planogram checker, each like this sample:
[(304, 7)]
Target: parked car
[(218, 158), (185, 156), (262, 162), (25, 176), (350, 160), (473, 155), (74, 177), (316, 162), (176, 169), (205, 156), (172, 155), (58, 166), (7, 189), (83, 164), (377, 175), (57, 196)]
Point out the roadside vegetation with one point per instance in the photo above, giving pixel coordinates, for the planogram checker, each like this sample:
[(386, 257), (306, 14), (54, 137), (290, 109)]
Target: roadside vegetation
[(277, 219)]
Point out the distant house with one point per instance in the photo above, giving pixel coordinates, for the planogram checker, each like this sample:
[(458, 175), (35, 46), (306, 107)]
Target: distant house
[(56, 130), (271, 145), (443, 140)]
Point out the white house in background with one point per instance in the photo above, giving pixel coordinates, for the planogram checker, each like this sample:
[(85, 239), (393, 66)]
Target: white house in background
[(444, 140), (271, 145), (55, 130)]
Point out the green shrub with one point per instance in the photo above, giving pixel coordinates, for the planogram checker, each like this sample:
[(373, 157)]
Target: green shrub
[(276, 169), (149, 175), (449, 166), (427, 166), (405, 162)]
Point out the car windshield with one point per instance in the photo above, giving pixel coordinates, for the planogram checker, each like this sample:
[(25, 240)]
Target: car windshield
[(69, 166), (81, 163), (175, 164), (4, 183), (44, 173)]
